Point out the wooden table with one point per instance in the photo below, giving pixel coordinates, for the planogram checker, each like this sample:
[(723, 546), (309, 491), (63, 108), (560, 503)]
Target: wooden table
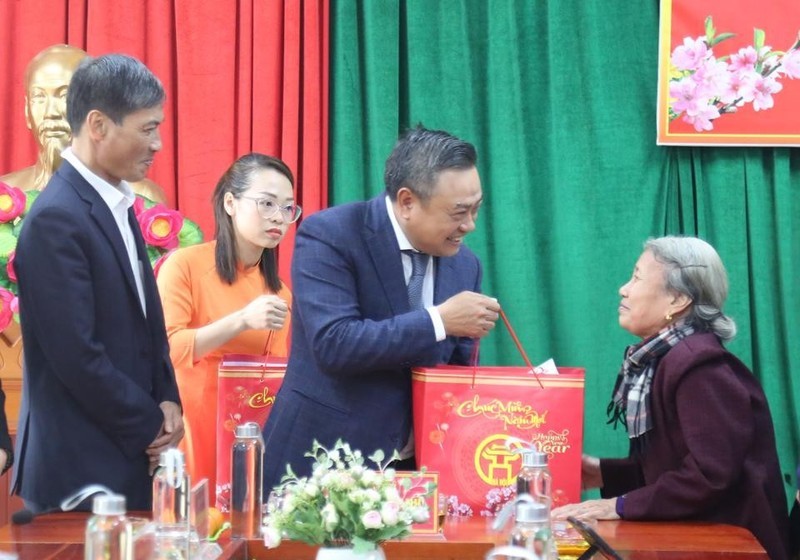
[(60, 535), (469, 539), (680, 540)]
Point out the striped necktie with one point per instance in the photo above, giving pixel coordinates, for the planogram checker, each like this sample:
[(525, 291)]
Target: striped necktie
[(419, 264)]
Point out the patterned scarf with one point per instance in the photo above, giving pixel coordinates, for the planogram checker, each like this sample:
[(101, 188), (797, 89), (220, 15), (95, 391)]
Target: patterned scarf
[(631, 400)]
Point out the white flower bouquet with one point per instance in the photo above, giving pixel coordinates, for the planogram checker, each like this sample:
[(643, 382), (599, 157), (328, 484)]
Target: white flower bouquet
[(343, 503)]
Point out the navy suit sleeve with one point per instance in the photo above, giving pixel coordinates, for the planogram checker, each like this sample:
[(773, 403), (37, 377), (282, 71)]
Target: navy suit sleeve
[(332, 279), (167, 386), (58, 295)]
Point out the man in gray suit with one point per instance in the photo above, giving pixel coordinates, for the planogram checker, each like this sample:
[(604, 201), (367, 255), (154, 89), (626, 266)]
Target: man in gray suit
[(379, 287), (99, 399)]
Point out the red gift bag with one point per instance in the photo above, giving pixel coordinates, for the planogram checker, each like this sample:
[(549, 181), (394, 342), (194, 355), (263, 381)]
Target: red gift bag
[(468, 420), (247, 386)]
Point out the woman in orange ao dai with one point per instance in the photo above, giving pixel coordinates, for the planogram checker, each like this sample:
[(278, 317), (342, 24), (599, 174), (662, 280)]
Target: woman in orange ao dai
[(225, 297)]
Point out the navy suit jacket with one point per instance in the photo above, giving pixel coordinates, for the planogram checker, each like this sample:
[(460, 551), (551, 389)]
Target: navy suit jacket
[(95, 367), (355, 338)]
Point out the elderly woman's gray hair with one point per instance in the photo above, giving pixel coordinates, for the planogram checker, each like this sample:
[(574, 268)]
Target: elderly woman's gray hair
[(694, 268)]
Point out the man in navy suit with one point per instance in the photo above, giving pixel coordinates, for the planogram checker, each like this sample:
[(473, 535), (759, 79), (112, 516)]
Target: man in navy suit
[(100, 400), (358, 326)]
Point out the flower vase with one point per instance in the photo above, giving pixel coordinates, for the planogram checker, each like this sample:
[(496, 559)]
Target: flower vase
[(347, 553)]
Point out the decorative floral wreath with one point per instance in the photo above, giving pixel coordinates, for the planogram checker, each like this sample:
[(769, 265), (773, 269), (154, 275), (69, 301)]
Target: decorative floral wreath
[(164, 230)]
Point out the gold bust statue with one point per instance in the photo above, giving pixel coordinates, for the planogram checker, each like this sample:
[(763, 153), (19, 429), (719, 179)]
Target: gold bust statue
[(46, 81)]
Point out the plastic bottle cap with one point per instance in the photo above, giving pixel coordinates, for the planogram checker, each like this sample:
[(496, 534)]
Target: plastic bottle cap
[(533, 458), (532, 513), (248, 430), (109, 504), (175, 454)]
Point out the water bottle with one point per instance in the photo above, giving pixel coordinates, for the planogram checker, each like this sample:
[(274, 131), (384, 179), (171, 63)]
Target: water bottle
[(171, 507), (534, 477), (247, 480), (532, 531), (109, 534)]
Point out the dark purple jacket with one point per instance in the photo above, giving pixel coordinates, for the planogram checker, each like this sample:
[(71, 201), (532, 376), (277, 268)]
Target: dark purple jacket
[(711, 454)]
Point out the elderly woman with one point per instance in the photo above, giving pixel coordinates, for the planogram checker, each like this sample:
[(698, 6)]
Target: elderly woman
[(702, 444)]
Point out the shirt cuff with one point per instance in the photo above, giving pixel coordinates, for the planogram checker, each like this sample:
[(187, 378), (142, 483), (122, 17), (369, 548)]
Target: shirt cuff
[(438, 324), (620, 507)]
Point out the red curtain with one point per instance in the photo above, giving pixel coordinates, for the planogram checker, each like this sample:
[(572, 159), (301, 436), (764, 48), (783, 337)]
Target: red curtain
[(240, 76)]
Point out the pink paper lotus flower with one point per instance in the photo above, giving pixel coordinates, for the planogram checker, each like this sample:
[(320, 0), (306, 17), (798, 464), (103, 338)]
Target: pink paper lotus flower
[(138, 206), (12, 202), (164, 230), (7, 304), (12, 274), (160, 226)]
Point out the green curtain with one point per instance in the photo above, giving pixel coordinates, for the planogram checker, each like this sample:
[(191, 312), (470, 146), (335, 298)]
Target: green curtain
[(559, 98)]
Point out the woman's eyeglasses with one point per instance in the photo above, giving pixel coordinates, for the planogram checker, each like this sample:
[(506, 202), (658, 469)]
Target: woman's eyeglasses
[(268, 208)]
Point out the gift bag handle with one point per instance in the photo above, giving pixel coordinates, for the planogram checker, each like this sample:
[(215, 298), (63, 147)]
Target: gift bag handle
[(268, 350), (473, 360), (266, 353), (270, 340)]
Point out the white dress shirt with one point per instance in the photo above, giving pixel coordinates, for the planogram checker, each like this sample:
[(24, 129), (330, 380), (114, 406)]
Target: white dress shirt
[(427, 283), (119, 200), (427, 299)]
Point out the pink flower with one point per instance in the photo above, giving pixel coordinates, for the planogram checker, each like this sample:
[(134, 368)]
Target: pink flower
[(372, 520), (12, 202), (389, 511), (689, 55), (12, 274), (701, 118), (763, 88), (739, 88), (745, 59), (685, 95), (702, 87), (138, 206), (6, 308), (160, 226), (712, 77), (160, 261), (790, 64)]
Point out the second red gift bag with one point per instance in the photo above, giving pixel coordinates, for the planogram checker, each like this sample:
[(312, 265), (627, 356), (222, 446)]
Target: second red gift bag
[(247, 387)]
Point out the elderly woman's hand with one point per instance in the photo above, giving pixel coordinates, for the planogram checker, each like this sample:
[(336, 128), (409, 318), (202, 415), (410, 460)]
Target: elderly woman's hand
[(590, 509), (591, 477)]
